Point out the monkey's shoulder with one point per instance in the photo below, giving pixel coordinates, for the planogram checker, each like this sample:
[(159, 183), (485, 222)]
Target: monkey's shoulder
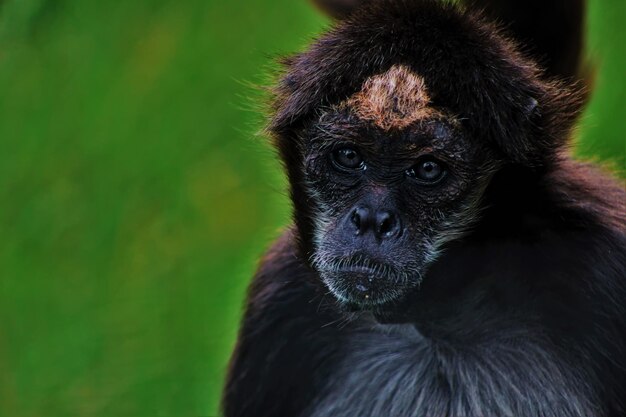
[(282, 282), (287, 342), (593, 190)]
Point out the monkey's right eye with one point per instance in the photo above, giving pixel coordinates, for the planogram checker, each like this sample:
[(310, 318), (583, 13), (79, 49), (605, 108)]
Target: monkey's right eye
[(347, 158)]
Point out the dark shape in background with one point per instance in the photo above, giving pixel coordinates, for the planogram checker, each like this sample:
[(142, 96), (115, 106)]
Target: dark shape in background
[(135, 199)]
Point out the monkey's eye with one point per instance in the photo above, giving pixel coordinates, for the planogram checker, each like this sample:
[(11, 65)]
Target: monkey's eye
[(427, 170), (347, 158)]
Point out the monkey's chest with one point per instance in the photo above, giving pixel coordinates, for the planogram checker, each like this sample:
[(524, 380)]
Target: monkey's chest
[(386, 375)]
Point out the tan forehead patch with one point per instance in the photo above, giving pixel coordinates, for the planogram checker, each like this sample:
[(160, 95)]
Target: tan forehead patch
[(392, 100)]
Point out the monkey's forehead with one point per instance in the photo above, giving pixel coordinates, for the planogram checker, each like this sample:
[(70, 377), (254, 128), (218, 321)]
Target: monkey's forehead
[(394, 99)]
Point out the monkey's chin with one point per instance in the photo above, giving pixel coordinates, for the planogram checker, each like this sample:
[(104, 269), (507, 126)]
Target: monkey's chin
[(360, 288)]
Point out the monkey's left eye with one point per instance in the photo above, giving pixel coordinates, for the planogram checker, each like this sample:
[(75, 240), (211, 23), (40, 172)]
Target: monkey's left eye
[(347, 158), (427, 170)]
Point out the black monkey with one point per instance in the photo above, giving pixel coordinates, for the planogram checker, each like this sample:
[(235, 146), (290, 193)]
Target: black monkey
[(447, 258)]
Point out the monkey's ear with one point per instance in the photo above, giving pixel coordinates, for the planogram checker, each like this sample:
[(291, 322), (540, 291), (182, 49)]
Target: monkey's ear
[(338, 9)]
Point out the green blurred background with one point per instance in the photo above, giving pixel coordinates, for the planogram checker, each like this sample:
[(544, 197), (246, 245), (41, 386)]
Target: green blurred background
[(135, 196)]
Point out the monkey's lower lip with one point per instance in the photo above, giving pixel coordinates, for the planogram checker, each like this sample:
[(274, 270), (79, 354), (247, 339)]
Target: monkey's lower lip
[(363, 278), (362, 285)]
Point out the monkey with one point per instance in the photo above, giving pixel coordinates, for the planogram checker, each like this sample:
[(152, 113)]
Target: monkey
[(448, 257)]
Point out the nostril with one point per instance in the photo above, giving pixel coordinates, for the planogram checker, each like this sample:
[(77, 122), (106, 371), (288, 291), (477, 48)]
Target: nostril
[(386, 224), (359, 219), (356, 219)]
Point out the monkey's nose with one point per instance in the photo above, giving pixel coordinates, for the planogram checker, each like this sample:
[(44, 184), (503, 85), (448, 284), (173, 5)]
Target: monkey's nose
[(383, 223)]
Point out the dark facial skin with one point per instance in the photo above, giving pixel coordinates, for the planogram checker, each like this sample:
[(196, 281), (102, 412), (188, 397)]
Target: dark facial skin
[(388, 201)]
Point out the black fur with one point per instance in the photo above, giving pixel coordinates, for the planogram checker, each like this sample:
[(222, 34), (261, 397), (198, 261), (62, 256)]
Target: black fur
[(525, 316), (554, 36)]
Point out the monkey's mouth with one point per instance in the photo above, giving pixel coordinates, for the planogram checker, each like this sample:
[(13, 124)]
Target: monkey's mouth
[(364, 284)]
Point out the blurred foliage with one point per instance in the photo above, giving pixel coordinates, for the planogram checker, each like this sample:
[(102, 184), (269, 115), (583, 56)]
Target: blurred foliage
[(136, 197)]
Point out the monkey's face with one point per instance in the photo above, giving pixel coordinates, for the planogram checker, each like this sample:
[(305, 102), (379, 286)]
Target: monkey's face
[(391, 180)]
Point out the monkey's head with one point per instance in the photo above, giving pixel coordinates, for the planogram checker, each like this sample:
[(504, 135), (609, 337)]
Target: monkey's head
[(391, 178), (391, 127)]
